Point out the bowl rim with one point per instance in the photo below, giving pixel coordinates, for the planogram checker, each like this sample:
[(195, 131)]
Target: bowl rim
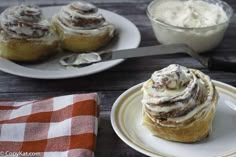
[(152, 18)]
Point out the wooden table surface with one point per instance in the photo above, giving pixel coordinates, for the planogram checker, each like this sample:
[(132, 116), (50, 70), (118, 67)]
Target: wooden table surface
[(111, 83)]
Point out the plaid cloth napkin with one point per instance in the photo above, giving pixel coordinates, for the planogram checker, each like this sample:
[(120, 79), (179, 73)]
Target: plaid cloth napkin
[(63, 126)]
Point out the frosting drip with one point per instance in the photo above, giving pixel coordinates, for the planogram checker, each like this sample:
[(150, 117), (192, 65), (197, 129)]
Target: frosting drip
[(24, 22), (81, 15), (175, 95)]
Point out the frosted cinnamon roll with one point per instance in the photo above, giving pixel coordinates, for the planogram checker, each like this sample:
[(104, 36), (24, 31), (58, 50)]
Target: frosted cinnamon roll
[(82, 28), (179, 104), (25, 34)]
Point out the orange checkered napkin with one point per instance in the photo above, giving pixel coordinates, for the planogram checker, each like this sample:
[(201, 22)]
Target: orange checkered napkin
[(63, 126)]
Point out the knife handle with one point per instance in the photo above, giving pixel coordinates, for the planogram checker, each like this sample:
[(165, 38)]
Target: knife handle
[(219, 64)]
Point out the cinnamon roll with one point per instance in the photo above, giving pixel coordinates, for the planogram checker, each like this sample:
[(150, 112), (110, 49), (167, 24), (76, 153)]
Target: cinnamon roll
[(179, 104), (25, 35), (82, 28)]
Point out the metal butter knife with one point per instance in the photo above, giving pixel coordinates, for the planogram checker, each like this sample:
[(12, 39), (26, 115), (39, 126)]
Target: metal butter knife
[(90, 58)]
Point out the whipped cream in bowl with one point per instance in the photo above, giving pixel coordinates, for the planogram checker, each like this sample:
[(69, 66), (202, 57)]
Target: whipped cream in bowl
[(201, 24)]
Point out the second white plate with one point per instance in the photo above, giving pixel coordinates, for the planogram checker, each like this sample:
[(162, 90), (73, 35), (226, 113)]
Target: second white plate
[(128, 37), (126, 118)]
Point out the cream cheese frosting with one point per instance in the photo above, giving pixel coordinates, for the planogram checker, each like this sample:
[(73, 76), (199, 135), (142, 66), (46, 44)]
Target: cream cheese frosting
[(80, 59), (24, 22), (177, 94), (190, 14), (81, 17)]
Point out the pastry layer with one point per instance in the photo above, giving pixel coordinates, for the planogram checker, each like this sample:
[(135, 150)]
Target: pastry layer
[(82, 28), (192, 132), (25, 35), (177, 99), (25, 50)]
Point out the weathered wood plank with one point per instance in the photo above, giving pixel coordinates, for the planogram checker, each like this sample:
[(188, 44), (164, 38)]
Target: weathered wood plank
[(231, 2), (59, 2), (109, 144), (108, 81)]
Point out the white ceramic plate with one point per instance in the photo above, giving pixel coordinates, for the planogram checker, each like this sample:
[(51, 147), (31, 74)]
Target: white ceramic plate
[(126, 117), (128, 37)]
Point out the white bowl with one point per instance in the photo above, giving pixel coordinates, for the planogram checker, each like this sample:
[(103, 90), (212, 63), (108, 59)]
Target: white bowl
[(199, 39)]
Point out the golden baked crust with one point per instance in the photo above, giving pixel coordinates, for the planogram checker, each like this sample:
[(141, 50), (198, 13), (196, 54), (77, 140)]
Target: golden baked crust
[(194, 128), (27, 50), (92, 40)]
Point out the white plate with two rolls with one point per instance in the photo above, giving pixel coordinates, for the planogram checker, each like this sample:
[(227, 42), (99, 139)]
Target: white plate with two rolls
[(128, 36), (126, 119)]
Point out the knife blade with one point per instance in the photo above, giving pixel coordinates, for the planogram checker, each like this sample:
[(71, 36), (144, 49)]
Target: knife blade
[(90, 58), (85, 59), (143, 51)]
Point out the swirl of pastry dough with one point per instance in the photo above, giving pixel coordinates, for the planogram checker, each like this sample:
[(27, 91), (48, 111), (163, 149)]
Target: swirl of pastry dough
[(177, 95), (24, 22), (80, 16)]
